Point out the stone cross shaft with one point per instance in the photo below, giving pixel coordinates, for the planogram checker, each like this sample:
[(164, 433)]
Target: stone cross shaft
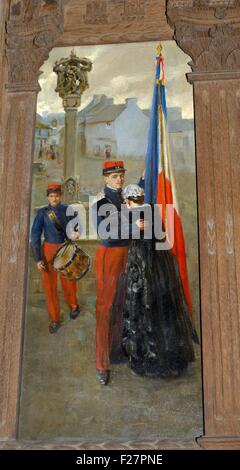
[(72, 81)]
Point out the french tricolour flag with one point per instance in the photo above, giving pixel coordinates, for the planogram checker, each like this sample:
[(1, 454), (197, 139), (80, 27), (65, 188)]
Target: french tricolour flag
[(159, 181)]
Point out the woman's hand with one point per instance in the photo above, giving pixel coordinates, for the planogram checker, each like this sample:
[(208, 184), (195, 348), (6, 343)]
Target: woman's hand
[(142, 224), (75, 236)]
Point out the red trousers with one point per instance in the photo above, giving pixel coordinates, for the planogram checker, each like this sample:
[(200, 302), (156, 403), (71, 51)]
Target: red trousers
[(50, 280), (110, 263)]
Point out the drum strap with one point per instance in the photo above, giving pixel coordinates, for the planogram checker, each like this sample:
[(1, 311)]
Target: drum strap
[(53, 218)]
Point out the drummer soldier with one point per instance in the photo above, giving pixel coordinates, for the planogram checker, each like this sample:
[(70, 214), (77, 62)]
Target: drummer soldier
[(51, 221)]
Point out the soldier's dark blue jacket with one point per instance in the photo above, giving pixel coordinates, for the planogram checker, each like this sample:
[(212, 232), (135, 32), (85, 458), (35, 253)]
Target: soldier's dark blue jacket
[(114, 197), (42, 225)]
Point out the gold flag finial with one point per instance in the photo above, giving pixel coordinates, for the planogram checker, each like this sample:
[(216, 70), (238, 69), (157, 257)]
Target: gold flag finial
[(160, 61), (73, 54), (159, 49)]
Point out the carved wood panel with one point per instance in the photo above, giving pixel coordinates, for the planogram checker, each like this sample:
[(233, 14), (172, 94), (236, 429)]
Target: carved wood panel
[(32, 31), (207, 30), (108, 21), (217, 121)]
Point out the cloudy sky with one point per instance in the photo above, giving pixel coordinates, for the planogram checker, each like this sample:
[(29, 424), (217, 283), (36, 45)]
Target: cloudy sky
[(122, 71)]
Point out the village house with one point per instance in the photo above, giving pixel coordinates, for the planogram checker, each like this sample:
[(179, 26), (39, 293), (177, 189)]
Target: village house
[(123, 128), (42, 136), (182, 141)]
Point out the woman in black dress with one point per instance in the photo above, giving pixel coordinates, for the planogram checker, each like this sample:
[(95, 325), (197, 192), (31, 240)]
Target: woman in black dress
[(157, 331)]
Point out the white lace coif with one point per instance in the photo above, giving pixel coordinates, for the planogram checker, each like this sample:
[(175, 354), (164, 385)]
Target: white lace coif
[(132, 190)]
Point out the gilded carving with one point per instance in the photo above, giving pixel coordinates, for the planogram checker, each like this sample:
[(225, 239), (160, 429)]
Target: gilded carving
[(209, 32), (96, 12), (31, 33)]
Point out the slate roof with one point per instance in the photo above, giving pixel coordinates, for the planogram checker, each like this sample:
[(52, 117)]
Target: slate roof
[(108, 114)]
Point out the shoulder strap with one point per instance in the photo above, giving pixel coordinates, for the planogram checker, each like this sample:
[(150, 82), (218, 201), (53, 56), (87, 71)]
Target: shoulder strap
[(53, 218)]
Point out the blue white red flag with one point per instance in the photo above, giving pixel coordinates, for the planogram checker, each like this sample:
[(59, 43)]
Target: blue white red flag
[(159, 180)]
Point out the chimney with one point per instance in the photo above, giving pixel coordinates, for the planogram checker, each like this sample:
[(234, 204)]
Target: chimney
[(131, 101), (109, 101)]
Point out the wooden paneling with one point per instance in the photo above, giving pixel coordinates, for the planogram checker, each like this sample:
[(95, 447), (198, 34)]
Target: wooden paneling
[(4, 12), (215, 53), (20, 110), (114, 21), (217, 117)]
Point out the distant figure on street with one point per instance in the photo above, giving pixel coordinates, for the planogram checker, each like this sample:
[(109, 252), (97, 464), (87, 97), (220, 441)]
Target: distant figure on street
[(107, 152)]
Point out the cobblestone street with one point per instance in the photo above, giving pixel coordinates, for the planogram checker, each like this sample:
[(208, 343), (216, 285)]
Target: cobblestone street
[(60, 396)]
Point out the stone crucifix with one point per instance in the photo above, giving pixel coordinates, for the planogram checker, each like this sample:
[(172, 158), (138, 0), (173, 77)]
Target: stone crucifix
[(72, 81)]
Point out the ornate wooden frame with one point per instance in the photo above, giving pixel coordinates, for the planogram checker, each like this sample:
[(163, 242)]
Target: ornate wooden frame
[(208, 31)]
